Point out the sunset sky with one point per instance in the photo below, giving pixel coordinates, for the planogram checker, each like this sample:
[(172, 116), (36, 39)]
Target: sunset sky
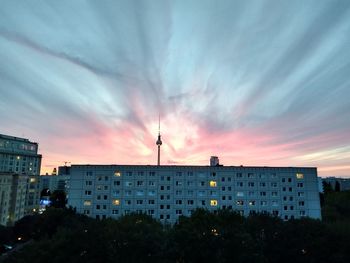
[(253, 82)]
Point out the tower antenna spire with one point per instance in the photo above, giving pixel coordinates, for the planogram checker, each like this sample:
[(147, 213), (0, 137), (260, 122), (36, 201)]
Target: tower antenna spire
[(159, 141)]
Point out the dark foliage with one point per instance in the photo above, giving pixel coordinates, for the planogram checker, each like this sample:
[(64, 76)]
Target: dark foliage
[(60, 235)]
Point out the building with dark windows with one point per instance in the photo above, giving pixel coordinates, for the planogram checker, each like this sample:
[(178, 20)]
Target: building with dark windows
[(166, 192)]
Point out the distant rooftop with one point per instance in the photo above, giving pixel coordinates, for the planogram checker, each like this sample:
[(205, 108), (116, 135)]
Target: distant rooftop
[(13, 138)]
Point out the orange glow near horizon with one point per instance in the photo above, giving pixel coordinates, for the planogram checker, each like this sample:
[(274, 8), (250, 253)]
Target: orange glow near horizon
[(184, 143)]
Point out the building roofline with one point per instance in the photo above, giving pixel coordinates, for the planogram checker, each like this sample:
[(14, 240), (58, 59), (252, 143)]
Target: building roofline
[(13, 138), (194, 166)]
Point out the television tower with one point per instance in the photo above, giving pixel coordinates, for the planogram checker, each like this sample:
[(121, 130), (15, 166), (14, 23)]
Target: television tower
[(159, 142)]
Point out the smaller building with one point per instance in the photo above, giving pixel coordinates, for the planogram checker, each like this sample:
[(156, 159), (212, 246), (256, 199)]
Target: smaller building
[(13, 192), (337, 183)]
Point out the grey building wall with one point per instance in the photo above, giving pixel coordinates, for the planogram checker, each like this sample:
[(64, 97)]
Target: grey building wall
[(166, 192)]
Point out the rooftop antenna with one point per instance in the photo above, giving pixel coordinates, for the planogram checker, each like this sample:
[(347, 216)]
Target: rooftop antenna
[(159, 141)]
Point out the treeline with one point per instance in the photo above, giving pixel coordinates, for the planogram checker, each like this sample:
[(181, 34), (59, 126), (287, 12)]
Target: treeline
[(60, 235)]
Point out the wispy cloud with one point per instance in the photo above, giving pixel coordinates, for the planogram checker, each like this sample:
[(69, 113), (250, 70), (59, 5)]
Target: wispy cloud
[(257, 82)]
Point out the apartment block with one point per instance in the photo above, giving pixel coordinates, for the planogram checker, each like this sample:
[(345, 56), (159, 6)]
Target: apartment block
[(166, 192)]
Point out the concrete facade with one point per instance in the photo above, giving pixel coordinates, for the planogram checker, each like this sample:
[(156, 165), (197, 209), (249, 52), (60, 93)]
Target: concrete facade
[(166, 192), (13, 191)]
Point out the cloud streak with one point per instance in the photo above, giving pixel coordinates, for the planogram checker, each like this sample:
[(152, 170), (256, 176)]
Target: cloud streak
[(256, 83)]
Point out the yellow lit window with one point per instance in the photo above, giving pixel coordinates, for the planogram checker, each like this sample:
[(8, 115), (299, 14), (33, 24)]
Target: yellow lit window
[(117, 173), (300, 176), (87, 202), (18, 157), (32, 180), (213, 202), (212, 183), (116, 202)]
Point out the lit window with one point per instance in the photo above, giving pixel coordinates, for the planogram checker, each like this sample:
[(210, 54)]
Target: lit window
[(212, 183), (300, 176), (213, 202), (32, 180), (239, 202), (116, 202), (87, 202), (251, 203), (18, 157), (117, 173)]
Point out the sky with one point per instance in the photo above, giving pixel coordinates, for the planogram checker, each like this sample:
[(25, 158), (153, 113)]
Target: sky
[(262, 83)]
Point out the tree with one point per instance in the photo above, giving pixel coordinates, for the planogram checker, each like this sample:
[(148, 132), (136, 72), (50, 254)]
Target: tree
[(58, 199)]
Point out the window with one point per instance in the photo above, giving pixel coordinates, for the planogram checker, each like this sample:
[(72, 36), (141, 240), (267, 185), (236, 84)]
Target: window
[(300, 176), (87, 203), (300, 185), (252, 203), (116, 183), (262, 184), (213, 202), (275, 212), (262, 193), (251, 184), (300, 194), (139, 202), (117, 173), (239, 202), (239, 184), (212, 183), (263, 203), (239, 175), (274, 193), (274, 203), (151, 202), (301, 203), (190, 202), (178, 202), (250, 175), (240, 194), (273, 184), (115, 212), (87, 192), (139, 183)]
